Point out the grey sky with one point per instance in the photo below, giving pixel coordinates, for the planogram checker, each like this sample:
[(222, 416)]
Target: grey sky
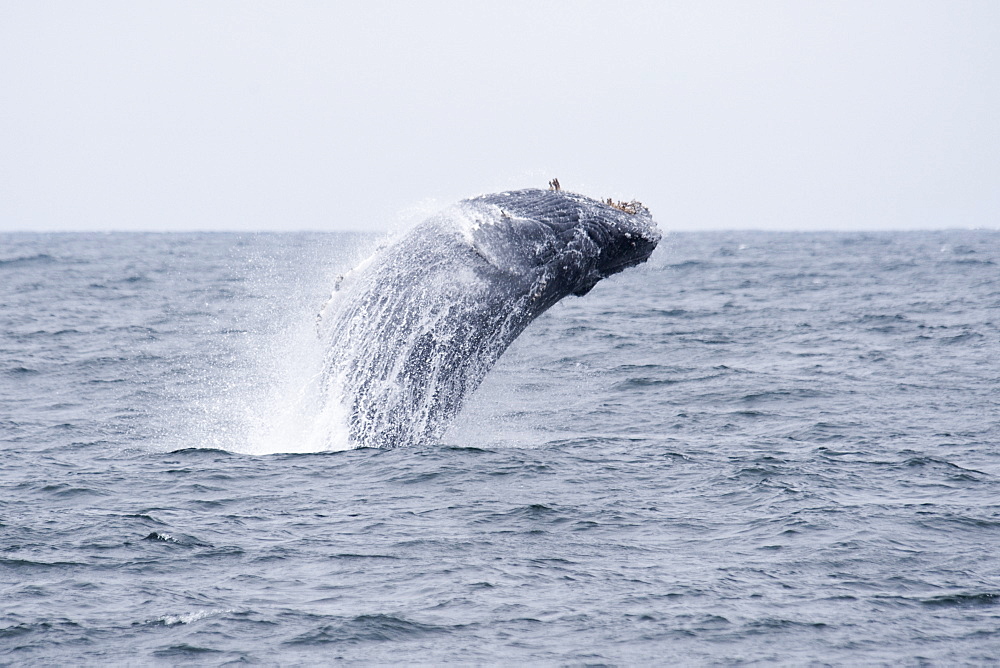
[(323, 115)]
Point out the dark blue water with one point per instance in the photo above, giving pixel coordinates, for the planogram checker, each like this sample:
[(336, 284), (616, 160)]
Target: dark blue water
[(758, 447)]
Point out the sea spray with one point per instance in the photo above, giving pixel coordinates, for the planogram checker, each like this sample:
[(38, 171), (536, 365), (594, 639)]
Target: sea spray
[(262, 392)]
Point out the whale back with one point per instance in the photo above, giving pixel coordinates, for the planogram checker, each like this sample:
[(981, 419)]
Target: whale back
[(413, 330)]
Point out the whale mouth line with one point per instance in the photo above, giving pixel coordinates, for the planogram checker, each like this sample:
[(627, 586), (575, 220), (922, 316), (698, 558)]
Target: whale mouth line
[(619, 267)]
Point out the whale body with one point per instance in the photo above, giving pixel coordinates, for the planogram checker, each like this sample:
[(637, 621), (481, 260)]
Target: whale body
[(415, 328)]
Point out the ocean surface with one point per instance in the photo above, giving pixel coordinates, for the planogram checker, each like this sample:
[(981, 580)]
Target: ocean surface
[(755, 448)]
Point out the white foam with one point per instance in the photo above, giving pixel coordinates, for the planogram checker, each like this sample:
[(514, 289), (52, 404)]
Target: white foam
[(292, 413), (172, 620), (266, 393)]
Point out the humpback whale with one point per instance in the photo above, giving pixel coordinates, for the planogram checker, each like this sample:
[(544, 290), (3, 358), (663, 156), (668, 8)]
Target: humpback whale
[(415, 328)]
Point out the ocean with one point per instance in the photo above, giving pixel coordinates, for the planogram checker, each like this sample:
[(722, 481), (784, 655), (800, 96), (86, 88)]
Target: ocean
[(756, 448)]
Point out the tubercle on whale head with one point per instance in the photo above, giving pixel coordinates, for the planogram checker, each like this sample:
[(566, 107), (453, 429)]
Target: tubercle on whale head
[(577, 240), (625, 234)]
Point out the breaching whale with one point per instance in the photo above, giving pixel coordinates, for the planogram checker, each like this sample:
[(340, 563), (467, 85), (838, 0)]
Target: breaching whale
[(415, 328)]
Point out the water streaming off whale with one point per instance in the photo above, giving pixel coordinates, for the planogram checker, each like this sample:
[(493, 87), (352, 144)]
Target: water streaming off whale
[(414, 330)]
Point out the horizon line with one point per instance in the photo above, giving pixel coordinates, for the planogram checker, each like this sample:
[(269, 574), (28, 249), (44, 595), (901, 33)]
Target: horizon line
[(312, 230)]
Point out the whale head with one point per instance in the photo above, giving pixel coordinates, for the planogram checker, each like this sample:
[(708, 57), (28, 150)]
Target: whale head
[(564, 241), (624, 235)]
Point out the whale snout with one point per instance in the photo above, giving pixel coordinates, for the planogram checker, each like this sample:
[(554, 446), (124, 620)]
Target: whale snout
[(625, 239), (640, 243)]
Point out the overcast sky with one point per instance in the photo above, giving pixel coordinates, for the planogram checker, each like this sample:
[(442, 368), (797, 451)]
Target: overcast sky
[(323, 115)]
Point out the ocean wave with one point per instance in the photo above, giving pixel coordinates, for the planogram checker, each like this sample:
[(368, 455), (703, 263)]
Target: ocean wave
[(26, 260)]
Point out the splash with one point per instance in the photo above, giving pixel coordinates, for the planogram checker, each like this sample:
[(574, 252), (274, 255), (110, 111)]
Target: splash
[(411, 331), (257, 373)]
